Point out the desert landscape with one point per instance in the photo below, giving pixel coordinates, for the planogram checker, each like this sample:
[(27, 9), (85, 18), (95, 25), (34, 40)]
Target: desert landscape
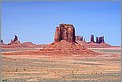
[(41, 68), (68, 59)]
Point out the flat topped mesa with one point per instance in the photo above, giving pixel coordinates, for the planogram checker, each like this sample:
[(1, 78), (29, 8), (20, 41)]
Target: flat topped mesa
[(65, 32)]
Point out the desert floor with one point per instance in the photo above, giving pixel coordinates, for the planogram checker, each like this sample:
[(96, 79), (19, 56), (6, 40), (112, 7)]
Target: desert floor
[(37, 68)]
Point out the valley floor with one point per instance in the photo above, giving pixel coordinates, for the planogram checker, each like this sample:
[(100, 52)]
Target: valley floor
[(37, 68)]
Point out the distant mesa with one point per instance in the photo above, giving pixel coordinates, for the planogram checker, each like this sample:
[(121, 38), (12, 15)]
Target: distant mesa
[(32, 45), (98, 39), (99, 43), (29, 44), (79, 38)]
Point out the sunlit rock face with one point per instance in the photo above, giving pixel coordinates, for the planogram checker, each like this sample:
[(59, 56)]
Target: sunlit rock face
[(65, 32)]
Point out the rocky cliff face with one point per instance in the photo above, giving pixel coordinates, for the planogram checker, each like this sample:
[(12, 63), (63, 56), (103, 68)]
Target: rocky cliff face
[(65, 32)]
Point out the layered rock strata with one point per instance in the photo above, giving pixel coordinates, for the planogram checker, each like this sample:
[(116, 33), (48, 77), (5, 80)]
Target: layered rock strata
[(65, 32)]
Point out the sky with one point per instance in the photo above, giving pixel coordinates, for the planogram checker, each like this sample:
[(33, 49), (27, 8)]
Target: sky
[(36, 21)]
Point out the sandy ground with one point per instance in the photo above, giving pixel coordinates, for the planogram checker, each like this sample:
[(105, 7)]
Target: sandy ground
[(38, 68)]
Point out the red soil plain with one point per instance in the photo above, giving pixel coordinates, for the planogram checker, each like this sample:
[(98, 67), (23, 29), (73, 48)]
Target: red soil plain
[(65, 60)]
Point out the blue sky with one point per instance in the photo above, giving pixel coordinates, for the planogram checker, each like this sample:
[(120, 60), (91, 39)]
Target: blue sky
[(36, 21)]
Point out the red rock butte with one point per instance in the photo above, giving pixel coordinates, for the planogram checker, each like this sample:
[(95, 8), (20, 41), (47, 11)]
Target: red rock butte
[(65, 44), (65, 32)]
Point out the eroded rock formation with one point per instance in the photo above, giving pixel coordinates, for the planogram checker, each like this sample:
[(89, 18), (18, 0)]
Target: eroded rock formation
[(64, 37), (99, 43), (79, 38), (15, 38), (65, 32), (101, 39), (92, 38), (15, 41)]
